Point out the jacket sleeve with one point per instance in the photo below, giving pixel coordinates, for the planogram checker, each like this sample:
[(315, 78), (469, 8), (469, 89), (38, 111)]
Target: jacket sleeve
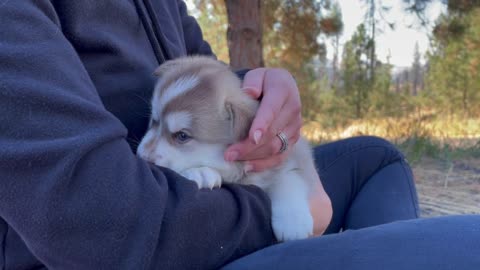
[(70, 185)]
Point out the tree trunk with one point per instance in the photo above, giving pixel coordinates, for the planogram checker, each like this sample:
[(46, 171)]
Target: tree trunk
[(415, 83), (244, 33), (373, 57), (336, 45), (465, 96)]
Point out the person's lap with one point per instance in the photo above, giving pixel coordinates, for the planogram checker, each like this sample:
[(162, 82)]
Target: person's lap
[(451, 242), (368, 181), (370, 184)]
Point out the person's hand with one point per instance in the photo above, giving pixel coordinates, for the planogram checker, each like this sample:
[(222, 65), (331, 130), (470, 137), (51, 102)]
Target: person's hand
[(320, 208), (279, 111)]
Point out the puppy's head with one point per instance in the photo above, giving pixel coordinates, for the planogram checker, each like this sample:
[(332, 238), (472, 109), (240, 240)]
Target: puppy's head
[(198, 109)]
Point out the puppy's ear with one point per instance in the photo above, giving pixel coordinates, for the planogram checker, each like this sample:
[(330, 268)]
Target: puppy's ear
[(240, 115), (167, 66)]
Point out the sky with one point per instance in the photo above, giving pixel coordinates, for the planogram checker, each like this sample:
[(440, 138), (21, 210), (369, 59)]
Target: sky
[(400, 42)]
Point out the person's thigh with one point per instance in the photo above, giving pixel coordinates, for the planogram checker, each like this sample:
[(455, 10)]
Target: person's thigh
[(368, 181), (437, 243)]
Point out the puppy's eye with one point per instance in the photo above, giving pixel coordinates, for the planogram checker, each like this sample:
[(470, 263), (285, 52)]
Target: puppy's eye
[(181, 137)]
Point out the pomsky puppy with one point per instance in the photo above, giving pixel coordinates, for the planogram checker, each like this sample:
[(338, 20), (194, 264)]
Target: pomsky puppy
[(198, 110)]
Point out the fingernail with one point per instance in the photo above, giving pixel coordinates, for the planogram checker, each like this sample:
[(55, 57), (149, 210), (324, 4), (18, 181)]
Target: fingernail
[(252, 92), (250, 88), (257, 135), (232, 156), (248, 168)]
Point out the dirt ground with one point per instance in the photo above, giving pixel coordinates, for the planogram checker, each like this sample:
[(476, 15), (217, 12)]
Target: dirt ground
[(448, 188)]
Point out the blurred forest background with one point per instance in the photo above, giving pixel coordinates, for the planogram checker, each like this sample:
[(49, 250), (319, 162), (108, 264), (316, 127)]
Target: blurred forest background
[(431, 110)]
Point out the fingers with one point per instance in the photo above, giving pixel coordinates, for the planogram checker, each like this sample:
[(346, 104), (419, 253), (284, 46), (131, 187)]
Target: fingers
[(291, 127), (279, 111), (260, 158), (248, 149), (272, 145), (288, 119), (253, 82), (273, 100)]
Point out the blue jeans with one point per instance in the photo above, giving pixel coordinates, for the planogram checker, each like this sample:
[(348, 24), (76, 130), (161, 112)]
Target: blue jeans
[(375, 221)]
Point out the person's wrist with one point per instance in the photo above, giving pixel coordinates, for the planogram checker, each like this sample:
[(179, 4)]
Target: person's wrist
[(320, 208)]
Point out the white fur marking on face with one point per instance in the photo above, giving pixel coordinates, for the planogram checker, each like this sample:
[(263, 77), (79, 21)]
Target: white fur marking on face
[(142, 150), (155, 112), (180, 86), (177, 121)]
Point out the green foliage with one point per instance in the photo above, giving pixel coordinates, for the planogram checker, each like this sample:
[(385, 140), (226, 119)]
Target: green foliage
[(213, 20), (290, 32), (357, 81), (416, 70), (428, 105), (331, 24), (452, 80), (291, 29), (416, 148)]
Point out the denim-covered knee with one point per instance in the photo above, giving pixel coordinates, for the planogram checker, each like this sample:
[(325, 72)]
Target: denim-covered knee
[(373, 141), (360, 148)]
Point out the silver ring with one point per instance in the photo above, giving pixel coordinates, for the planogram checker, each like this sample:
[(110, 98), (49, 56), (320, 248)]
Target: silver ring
[(283, 138)]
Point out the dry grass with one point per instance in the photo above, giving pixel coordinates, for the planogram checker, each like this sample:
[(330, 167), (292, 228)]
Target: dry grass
[(446, 130), (444, 153)]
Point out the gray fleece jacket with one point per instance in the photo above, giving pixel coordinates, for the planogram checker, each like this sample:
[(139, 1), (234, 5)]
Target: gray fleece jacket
[(76, 78)]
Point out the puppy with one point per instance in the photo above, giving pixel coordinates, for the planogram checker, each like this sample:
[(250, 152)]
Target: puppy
[(198, 110)]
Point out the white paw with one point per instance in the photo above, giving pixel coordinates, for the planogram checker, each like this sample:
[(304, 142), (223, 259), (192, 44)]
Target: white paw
[(292, 223), (205, 177)]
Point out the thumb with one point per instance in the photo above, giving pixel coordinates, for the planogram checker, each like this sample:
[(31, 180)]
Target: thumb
[(253, 82)]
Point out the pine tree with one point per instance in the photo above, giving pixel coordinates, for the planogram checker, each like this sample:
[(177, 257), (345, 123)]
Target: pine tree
[(244, 33), (454, 62), (416, 70), (332, 26), (375, 21), (355, 66)]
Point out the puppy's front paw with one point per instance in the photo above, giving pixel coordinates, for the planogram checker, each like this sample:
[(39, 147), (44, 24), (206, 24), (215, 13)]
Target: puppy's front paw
[(292, 224), (205, 177)]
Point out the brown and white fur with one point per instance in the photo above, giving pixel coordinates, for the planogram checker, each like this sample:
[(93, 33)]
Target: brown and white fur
[(202, 98)]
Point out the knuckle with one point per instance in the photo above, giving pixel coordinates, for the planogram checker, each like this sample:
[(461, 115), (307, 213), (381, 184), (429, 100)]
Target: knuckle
[(271, 133), (298, 127), (282, 157), (273, 162), (274, 146), (266, 118), (295, 138), (257, 71), (300, 119), (257, 166), (297, 109)]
